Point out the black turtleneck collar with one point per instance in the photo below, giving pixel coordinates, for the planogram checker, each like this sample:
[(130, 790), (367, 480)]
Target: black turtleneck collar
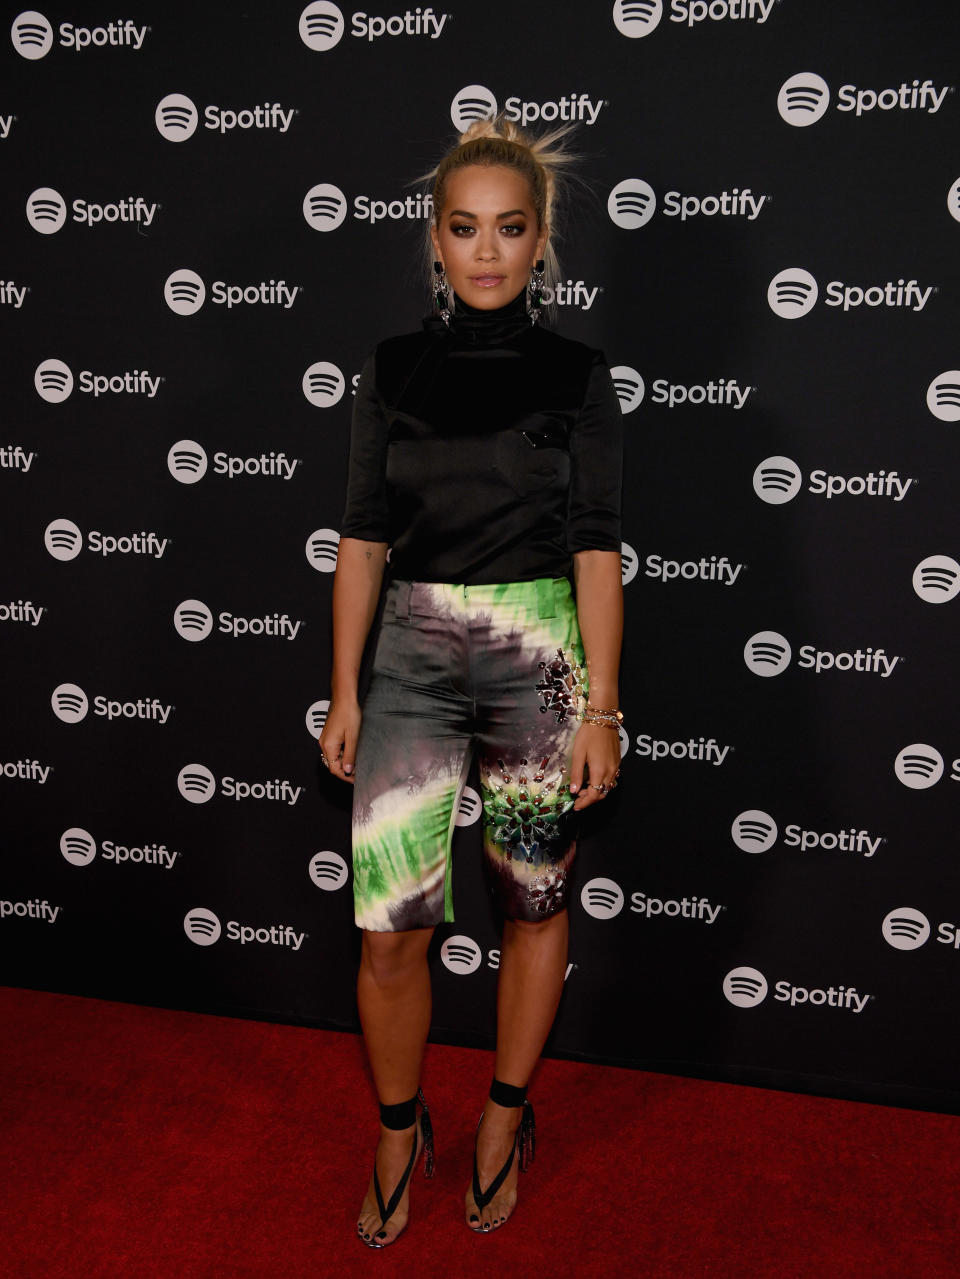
[(472, 327)]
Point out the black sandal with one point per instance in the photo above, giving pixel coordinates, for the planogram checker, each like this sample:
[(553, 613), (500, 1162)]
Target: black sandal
[(524, 1144), (398, 1118)]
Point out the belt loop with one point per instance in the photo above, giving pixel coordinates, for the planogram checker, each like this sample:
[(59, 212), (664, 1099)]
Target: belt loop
[(403, 601), (546, 606)]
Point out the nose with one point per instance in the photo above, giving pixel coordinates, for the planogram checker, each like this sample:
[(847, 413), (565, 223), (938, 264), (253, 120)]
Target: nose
[(485, 246)]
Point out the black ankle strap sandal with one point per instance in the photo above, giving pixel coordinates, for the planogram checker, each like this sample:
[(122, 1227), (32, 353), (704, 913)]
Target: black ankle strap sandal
[(524, 1141), (398, 1118)]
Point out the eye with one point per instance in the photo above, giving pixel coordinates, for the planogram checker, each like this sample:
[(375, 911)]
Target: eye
[(513, 228), (461, 229)]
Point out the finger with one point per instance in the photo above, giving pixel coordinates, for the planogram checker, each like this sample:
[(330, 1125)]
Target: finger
[(349, 755), (576, 768)]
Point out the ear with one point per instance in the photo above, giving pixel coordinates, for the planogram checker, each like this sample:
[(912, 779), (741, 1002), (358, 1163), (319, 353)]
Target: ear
[(542, 239), (435, 241)]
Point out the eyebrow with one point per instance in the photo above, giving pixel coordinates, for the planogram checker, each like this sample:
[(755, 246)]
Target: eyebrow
[(511, 213)]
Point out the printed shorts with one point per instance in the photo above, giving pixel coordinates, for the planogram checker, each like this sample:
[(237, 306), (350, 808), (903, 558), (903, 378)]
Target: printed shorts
[(497, 671)]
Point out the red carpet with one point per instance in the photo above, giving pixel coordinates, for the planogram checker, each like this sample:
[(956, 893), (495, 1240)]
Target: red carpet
[(153, 1144)]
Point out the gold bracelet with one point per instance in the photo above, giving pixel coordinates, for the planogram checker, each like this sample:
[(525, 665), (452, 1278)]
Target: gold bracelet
[(608, 718)]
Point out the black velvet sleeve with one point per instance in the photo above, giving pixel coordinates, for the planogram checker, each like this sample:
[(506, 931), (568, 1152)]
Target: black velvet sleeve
[(366, 515), (596, 457)]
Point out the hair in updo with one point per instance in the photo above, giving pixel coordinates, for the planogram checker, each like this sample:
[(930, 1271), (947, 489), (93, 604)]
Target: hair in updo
[(543, 161)]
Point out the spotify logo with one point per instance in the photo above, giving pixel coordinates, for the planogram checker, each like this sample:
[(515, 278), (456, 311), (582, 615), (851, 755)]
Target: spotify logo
[(46, 210), (792, 293), (602, 898), (767, 653), (937, 579), (469, 808), (202, 926), (474, 102), (919, 766), (193, 620), (78, 846), (943, 396), (321, 26), (628, 385), (777, 480), (316, 718), (69, 703), (754, 831), (184, 292), (461, 955), (953, 200), (53, 381), (629, 563), (63, 540), (803, 99), (32, 35), (196, 783), (745, 987), (324, 384), (322, 547), (906, 928), (187, 461), (324, 207), (637, 18), (176, 117), (328, 871), (632, 203)]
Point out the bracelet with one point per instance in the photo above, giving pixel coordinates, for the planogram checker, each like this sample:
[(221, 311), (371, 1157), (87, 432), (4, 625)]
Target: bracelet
[(611, 718)]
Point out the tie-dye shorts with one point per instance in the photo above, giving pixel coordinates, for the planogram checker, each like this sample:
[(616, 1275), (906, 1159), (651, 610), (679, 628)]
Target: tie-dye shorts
[(496, 670)]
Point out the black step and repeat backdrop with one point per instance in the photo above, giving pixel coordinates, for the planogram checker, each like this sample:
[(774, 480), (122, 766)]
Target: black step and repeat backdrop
[(209, 214)]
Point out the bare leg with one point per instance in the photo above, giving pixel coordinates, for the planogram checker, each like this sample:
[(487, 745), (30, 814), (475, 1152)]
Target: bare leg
[(393, 994), (533, 961)]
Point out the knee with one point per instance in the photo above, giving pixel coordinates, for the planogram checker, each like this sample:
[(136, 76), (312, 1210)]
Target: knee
[(386, 958), (534, 932)]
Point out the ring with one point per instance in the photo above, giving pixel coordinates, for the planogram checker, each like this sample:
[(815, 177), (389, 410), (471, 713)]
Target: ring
[(601, 788), (323, 760)]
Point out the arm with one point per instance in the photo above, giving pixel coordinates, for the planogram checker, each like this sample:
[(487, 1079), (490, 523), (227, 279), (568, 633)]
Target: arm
[(356, 588), (596, 749)]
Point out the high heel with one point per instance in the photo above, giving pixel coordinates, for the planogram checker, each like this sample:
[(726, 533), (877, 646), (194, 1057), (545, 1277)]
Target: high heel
[(397, 1118), (523, 1148)]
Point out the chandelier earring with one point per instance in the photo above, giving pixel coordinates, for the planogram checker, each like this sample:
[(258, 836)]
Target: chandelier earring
[(536, 291), (441, 293)]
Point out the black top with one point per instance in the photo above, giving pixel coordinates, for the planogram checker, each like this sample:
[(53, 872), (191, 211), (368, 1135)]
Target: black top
[(486, 452)]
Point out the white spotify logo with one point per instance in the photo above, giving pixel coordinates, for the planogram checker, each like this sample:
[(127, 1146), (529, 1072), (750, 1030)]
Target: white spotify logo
[(629, 563), (469, 808), (745, 987), (176, 117), (943, 396), (202, 926), (321, 26), (473, 102), (32, 35), (803, 99), (324, 207), (629, 386), (316, 717), (632, 203), (321, 549), (754, 831), (196, 783), (328, 871), (767, 653), (602, 898), (184, 292), (937, 579), (63, 540), (53, 380), (906, 928), (193, 620), (461, 955), (777, 480), (637, 18), (919, 766), (46, 210), (324, 384), (78, 846), (69, 703), (792, 293), (953, 200), (187, 461)]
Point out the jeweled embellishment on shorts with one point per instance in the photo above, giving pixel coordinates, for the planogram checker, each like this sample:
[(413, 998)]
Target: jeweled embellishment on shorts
[(523, 817), (561, 686), (547, 892)]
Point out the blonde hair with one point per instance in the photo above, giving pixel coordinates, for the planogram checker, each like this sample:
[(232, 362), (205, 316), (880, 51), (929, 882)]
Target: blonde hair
[(543, 161)]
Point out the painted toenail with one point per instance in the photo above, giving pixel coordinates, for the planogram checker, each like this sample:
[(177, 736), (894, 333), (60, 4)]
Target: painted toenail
[(486, 1225), (381, 1234), (474, 1217)]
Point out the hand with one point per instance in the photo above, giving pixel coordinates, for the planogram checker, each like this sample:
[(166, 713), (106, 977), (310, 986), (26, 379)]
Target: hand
[(338, 741), (595, 766)]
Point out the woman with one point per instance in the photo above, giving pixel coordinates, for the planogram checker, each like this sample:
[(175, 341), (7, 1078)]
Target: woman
[(486, 452)]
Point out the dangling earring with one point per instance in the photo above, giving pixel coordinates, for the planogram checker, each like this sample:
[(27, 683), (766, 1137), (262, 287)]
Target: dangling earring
[(536, 291), (441, 293)]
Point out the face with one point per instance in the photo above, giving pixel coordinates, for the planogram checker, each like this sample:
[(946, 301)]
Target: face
[(488, 237)]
